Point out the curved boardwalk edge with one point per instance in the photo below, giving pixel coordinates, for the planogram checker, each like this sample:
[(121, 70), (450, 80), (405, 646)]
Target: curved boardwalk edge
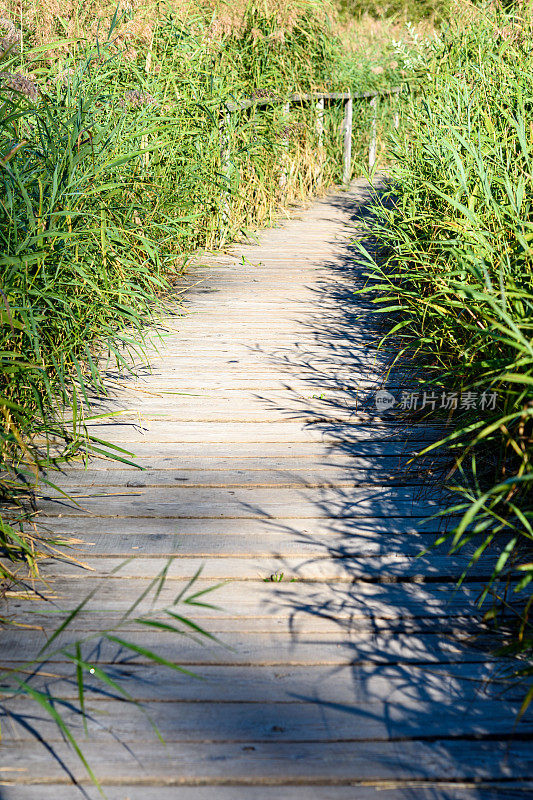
[(350, 669)]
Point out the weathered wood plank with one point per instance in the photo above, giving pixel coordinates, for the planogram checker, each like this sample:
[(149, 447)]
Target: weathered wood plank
[(303, 764), (304, 720), (203, 462), (509, 790), (212, 473), (411, 686), (166, 453), (247, 502), (264, 381), (376, 531), (376, 548), (232, 408), (461, 630), (263, 432), (278, 358), (256, 598), (322, 564), (263, 413), (313, 641)]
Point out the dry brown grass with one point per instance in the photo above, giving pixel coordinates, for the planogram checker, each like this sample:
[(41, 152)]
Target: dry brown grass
[(46, 21), (367, 38)]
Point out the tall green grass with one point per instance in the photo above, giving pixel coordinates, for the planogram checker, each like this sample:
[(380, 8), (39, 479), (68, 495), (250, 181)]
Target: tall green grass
[(455, 272), (93, 673)]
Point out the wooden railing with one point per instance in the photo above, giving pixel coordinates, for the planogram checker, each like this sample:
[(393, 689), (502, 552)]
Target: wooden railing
[(320, 99)]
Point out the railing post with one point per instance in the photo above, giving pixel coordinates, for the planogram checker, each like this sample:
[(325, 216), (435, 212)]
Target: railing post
[(224, 127), (373, 136), (285, 142), (320, 122), (347, 144), (320, 135)]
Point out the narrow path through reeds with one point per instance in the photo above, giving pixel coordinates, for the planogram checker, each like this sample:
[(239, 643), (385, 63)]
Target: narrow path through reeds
[(348, 668)]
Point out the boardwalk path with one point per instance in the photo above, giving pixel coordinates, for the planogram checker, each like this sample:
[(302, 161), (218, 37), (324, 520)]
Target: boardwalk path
[(347, 680)]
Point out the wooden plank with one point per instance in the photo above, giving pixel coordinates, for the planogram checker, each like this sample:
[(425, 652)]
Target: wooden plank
[(286, 363), (263, 432), (377, 531), (262, 381), (305, 271), (336, 278), (166, 452), (304, 377), (325, 564), (262, 642), (509, 790), (308, 721), (289, 478), (246, 502), (189, 462), (128, 540), (302, 764), (287, 309), (405, 686), (256, 598), (263, 413), (280, 342), (241, 404), (300, 323), (336, 350), (256, 349), (458, 630)]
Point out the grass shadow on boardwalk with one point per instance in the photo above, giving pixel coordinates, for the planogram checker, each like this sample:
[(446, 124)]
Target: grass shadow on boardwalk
[(425, 657)]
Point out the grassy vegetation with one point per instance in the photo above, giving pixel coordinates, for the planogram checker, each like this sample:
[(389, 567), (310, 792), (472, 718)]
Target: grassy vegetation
[(94, 675), (433, 11), (455, 273)]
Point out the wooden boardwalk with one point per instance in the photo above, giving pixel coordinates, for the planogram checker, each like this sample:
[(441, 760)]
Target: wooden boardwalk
[(347, 669)]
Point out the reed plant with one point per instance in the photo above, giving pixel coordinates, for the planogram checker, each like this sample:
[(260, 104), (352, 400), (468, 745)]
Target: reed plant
[(91, 661), (454, 273)]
